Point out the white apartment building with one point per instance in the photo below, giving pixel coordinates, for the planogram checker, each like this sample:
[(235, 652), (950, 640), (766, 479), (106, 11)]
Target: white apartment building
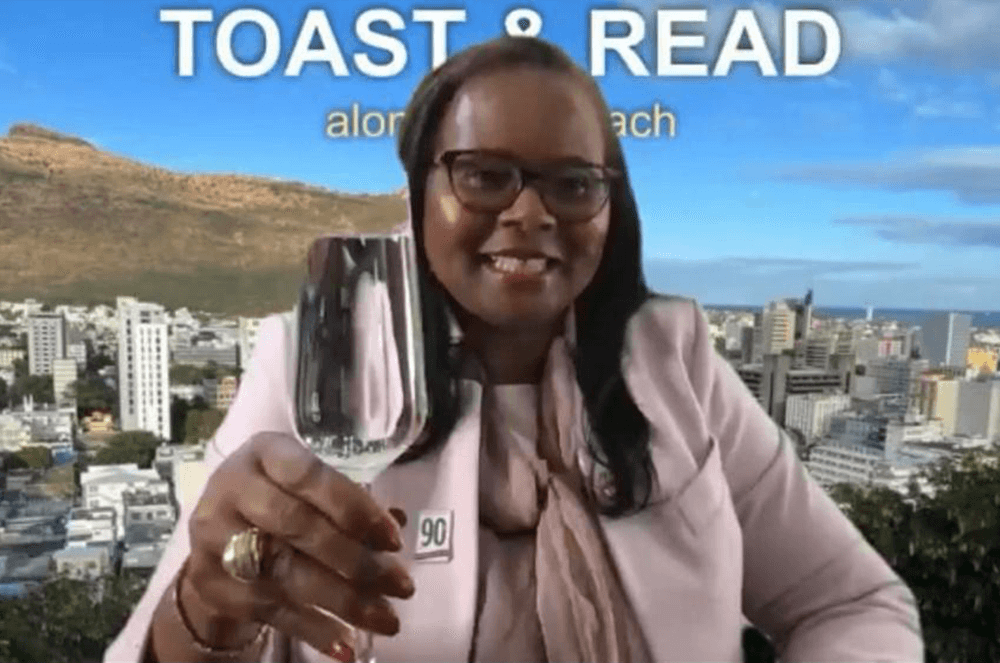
[(84, 561), (831, 464), (64, 374), (811, 413), (143, 367), (778, 328), (46, 342), (247, 339), (106, 485), (86, 525)]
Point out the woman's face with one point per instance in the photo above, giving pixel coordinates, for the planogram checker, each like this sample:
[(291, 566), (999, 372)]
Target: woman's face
[(525, 264)]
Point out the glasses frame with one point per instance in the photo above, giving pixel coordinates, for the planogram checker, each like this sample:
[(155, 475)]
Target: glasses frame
[(526, 177)]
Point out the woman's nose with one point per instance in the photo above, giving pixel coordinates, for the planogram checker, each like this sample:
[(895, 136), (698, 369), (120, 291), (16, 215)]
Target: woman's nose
[(528, 209)]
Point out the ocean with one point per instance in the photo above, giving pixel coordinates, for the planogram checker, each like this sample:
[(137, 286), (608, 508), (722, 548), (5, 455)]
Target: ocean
[(905, 316)]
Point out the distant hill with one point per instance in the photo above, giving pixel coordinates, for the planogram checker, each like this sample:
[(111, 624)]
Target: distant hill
[(79, 224)]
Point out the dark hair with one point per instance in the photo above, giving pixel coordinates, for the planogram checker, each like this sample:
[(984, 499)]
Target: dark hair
[(619, 433)]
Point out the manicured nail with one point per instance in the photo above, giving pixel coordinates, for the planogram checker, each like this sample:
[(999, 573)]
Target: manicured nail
[(388, 533), (341, 652), (400, 582), (381, 618), (399, 515)]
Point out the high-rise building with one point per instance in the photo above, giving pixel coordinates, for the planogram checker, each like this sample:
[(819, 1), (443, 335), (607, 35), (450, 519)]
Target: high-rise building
[(46, 342), (773, 381), (946, 339), (978, 410), (64, 374), (143, 367), (778, 328)]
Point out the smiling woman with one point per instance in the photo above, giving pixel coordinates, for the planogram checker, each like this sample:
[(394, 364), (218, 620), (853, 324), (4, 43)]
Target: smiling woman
[(356, 121), (607, 487)]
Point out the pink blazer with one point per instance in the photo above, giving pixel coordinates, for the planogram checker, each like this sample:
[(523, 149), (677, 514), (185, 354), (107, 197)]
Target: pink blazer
[(738, 530)]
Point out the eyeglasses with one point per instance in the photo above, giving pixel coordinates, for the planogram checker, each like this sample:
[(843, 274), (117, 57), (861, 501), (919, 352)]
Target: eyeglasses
[(489, 183)]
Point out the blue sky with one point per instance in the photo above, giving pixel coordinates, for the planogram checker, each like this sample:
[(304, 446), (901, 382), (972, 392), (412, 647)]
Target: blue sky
[(878, 183)]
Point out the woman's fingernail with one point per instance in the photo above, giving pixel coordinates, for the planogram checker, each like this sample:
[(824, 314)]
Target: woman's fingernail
[(388, 532), (401, 582), (399, 515), (341, 652)]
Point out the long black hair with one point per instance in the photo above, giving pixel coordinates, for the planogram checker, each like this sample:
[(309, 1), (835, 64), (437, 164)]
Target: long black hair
[(619, 433)]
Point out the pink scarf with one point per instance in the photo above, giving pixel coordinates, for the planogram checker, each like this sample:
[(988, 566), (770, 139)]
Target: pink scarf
[(549, 589)]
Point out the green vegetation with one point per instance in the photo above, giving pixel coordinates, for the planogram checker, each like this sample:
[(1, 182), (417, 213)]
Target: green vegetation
[(92, 393), (181, 374), (129, 447), (201, 425), (67, 620), (35, 457), (39, 387), (947, 549)]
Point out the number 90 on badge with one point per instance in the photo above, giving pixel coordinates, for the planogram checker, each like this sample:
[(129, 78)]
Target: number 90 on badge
[(434, 540)]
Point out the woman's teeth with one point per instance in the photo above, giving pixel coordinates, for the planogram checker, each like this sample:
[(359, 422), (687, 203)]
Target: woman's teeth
[(518, 265)]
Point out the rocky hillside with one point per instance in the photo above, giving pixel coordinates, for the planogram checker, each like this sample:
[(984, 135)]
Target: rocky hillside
[(79, 224)]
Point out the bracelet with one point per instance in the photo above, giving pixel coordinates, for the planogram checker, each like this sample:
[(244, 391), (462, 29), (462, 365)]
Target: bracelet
[(201, 645)]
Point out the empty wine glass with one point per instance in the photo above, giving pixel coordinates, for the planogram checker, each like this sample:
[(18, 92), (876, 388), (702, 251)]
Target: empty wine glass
[(360, 392)]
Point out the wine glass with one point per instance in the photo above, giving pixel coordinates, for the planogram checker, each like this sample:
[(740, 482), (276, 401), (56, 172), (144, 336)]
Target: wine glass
[(360, 392)]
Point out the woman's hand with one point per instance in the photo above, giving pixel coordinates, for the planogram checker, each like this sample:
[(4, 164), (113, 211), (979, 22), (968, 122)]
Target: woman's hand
[(329, 546)]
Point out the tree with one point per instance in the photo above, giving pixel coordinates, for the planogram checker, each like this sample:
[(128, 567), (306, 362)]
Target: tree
[(38, 457), (201, 425), (66, 619), (945, 544), (93, 393), (179, 409), (129, 447), (39, 387)]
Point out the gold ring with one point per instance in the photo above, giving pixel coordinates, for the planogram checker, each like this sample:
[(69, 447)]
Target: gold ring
[(243, 555)]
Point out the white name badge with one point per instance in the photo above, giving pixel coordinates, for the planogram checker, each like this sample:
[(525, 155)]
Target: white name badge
[(434, 540)]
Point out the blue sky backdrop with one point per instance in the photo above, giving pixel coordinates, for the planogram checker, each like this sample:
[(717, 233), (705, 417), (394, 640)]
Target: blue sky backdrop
[(876, 184)]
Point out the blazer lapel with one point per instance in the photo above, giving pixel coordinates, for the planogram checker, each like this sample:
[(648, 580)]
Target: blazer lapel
[(437, 622)]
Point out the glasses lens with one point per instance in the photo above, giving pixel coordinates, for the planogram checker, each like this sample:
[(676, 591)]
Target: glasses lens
[(575, 192), (485, 182)]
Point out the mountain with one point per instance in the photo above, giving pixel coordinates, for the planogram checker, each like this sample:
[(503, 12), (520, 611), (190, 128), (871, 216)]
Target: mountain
[(81, 225)]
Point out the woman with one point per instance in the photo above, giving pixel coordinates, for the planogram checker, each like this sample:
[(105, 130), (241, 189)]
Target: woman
[(633, 502)]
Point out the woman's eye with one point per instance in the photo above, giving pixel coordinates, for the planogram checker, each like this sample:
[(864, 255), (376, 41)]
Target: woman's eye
[(574, 185), (485, 177)]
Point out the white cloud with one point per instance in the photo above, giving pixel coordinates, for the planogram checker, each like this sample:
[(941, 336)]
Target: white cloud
[(957, 34), (969, 173), (949, 108), (940, 231)]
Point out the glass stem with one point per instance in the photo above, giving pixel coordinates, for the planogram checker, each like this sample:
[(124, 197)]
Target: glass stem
[(365, 650)]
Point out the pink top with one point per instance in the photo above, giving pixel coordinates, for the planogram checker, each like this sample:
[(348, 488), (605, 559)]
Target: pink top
[(737, 529)]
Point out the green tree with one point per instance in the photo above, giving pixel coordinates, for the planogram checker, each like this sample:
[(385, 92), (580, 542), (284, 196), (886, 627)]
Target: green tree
[(35, 457), (201, 425), (39, 387), (945, 544), (93, 393), (129, 447), (67, 620), (179, 409)]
